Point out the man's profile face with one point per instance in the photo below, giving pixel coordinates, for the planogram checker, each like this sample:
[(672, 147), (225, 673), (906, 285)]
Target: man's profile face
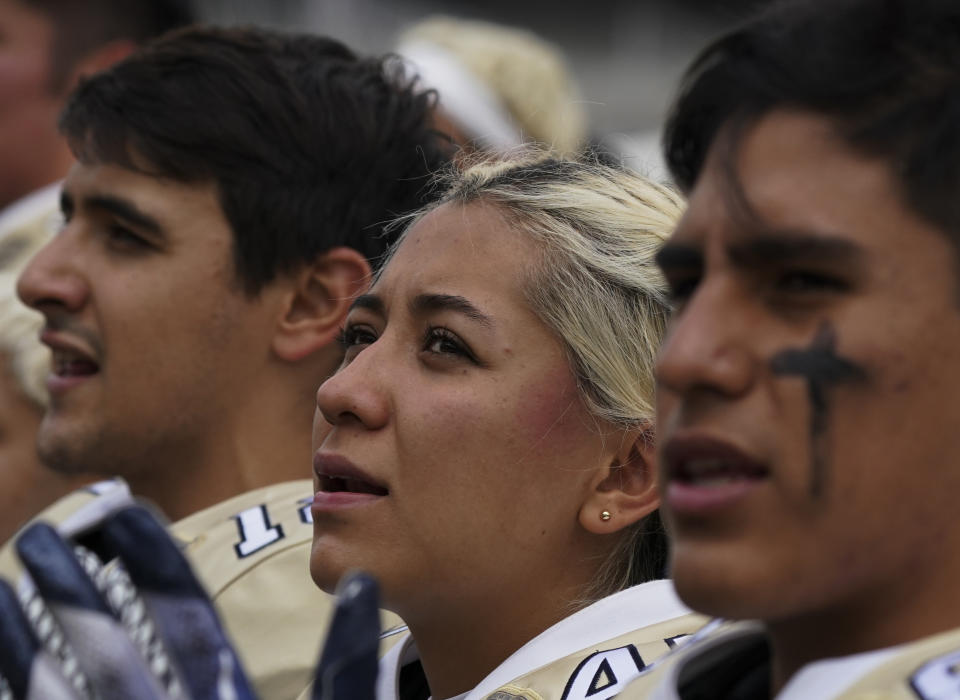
[(810, 455), (153, 340), (28, 103)]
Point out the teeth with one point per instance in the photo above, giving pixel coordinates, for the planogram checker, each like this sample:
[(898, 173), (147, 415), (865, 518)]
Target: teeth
[(67, 363), (715, 481), (705, 466), (335, 484)]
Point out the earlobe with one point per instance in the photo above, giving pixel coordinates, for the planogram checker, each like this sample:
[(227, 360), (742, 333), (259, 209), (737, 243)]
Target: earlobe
[(317, 302), (626, 491)]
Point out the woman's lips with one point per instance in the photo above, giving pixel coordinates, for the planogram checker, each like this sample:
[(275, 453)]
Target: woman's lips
[(341, 484), (706, 474)]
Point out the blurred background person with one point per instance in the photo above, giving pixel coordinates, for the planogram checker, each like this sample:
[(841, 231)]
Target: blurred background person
[(499, 86), (46, 46), (26, 485)]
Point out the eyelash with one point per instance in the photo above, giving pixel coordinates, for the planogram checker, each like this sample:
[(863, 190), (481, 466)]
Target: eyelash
[(809, 281), (123, 237), (353, 335), (453, 343)]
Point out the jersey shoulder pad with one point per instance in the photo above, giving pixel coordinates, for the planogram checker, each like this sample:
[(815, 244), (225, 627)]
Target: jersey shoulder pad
[(252, 554), (928, 669), (717, 643), (602, 670), (77, 512), (237, 535)]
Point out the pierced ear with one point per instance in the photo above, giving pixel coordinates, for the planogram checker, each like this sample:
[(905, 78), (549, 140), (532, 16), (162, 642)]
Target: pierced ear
[(626, 490), (317, 303)]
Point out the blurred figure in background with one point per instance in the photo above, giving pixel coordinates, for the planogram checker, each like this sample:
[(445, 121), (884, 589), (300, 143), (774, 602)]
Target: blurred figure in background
[(26, 485), (499, 86), (46, 46)]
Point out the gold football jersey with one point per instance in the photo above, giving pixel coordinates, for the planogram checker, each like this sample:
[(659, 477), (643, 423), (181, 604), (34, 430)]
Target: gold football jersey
[(251, 553), (590, 655), (726, 653)]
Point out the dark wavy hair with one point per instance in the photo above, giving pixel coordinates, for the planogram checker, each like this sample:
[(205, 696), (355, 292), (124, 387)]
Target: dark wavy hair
[(886, 73), (310, 146)]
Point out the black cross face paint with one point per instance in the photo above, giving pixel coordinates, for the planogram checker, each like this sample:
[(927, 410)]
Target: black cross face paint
[(820, 365)]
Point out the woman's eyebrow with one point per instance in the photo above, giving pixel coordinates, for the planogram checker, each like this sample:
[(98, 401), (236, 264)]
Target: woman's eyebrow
[(371, 302), (423, 303)]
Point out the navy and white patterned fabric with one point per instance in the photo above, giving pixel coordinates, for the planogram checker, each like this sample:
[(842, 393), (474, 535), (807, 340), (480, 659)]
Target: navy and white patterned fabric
[(141, 625)]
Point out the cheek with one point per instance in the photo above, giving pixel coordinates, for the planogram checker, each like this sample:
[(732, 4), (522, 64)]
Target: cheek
[(490, 431), (548, 412)]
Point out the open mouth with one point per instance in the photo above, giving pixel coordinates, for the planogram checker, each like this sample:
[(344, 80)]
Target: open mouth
[(342, 484), (708, 463), (708, 472), (67, 363)]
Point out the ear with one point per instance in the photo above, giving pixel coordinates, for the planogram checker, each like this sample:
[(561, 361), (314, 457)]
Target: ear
[(626, 488), (317, 303), (101, 58)]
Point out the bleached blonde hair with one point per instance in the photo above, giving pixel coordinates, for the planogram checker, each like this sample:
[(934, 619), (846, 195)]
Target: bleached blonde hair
[(529, 75), (20, 349), (597, 287)]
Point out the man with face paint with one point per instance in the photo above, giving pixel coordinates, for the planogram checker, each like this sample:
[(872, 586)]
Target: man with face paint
[(808, 443)]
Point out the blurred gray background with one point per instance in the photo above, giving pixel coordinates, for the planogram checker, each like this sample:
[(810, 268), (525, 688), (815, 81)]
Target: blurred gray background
[(627, 55)]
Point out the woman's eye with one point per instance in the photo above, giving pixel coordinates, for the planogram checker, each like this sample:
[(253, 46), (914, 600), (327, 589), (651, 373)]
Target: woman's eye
[(353, 339), (356, 335), (440, 341)]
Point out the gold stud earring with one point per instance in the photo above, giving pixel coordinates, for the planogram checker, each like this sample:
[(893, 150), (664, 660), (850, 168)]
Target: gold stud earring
[(605, 515)]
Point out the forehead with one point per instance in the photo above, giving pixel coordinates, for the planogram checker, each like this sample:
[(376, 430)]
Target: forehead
[(168, 199), (467, 249), (792, 173)]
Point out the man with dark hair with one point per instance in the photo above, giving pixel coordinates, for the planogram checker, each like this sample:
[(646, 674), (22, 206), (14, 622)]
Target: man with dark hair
[(45, 47), (809, 452), (227, 205)]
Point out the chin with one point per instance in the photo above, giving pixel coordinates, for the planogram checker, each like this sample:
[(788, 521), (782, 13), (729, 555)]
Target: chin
[(323, 570), (728, 587), (331, 560), (64, 454)]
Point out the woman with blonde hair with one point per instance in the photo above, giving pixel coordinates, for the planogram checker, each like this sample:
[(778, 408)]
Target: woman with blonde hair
[(486, 449)]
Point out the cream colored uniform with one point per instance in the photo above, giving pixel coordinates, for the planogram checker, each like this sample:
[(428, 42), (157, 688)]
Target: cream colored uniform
[(591, 654), (252, 554), (77, 511), (927, 669), (39, 209)]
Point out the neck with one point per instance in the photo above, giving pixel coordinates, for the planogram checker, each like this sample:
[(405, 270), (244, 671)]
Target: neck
[(871, 620), (265, 441), (460, 642)]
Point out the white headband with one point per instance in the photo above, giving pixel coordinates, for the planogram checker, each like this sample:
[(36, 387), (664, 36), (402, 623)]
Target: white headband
[(471, 103)]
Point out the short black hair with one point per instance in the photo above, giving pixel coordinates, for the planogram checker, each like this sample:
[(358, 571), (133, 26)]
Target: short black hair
[(80, 27), (885, 73), (310, 146)]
